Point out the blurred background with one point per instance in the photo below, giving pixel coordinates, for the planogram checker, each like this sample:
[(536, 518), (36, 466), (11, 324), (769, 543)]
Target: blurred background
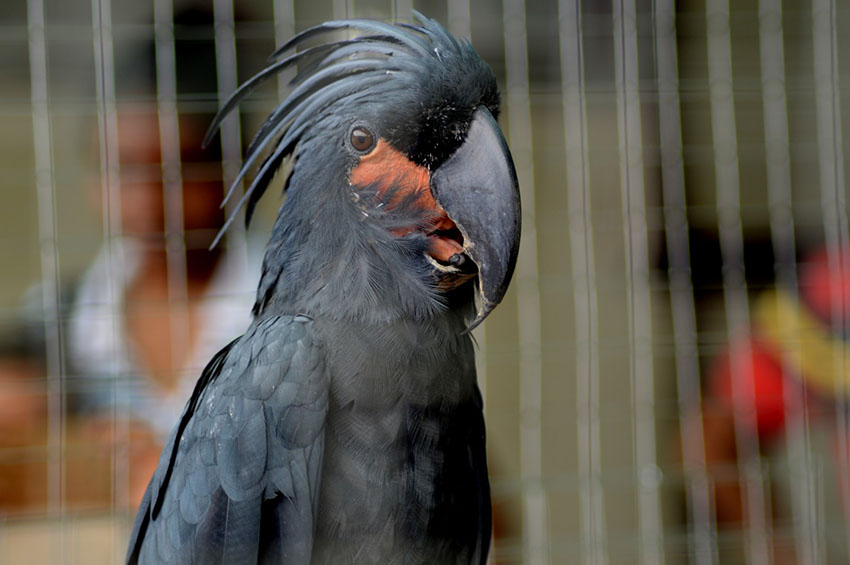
[(667, 380)]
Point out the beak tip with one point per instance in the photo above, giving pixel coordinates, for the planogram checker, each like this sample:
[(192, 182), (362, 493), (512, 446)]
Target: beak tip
[(475, 323), (483, 307)]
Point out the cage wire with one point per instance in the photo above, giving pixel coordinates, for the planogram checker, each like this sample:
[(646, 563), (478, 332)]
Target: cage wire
[(666, 381)]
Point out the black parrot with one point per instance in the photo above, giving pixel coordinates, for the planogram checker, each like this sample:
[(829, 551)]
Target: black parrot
[(346, 425)]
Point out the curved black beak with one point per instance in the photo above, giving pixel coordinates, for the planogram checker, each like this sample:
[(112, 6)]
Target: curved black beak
[(478, 189)]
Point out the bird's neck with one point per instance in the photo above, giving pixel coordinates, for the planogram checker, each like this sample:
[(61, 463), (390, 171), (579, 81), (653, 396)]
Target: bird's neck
[(349, 267)]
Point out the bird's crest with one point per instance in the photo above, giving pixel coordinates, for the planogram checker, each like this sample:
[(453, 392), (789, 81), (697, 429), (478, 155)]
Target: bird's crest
[(386, 59)]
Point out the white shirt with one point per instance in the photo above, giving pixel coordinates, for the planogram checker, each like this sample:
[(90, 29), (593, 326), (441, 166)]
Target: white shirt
[(108, 374)]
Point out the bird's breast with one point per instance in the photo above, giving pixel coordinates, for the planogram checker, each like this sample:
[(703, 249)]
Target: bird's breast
[(396, 471)]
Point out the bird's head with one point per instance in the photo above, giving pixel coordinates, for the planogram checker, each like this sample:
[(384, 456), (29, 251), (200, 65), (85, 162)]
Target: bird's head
[(401, 175)]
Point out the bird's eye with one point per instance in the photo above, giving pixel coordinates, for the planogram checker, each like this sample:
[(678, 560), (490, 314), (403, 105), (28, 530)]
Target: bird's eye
[(362, 139)]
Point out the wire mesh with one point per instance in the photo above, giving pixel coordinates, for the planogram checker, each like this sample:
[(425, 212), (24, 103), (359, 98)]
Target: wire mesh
[(664, 383)]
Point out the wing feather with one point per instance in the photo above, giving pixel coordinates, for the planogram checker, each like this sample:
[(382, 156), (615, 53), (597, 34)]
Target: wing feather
[(248, 450)]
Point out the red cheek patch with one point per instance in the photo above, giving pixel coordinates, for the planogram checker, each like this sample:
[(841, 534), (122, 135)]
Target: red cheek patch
[(386, 167)]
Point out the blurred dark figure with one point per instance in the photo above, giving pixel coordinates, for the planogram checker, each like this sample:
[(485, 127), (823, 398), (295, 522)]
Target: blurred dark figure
[(792, 363), (148, 313)]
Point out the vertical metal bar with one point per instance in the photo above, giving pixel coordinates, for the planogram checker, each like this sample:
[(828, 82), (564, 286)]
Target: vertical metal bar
[(460, 26), (779, 197), (593, 534), (342, 9), (703, 536), (111, 219), (169, 138), (820, 505), (535, 514), (230, 134), (776, 139), (284, 29), (834, 206), (402, 10), (638, 296), (734, 282), (46, 198), (828, 122), (459, 18)]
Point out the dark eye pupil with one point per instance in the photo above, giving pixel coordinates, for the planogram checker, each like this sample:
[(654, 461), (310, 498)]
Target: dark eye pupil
[(361, 139)]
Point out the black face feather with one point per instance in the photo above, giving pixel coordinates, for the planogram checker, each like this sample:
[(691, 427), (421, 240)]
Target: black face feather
[(415, 84)]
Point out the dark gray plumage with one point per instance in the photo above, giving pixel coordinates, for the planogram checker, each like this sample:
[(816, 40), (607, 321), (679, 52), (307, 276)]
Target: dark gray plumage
[(346, 424)]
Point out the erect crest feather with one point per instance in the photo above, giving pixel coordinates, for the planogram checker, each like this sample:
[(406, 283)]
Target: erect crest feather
[(349, 69)]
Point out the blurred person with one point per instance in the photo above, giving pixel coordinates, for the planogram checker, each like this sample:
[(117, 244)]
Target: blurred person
[(139, 333), (791, 363), (131, 315), (154, 305)]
